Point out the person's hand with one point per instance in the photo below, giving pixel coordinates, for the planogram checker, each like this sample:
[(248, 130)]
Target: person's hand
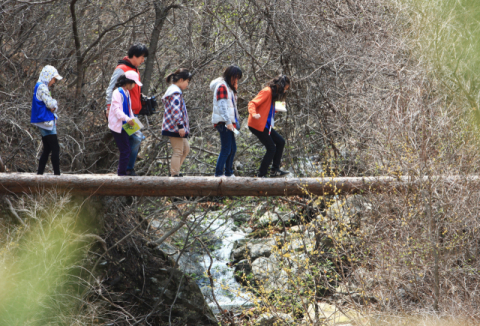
[(256, 116), (130, 122), (52, 109), (181, 132), (230, 127), (107, 111)]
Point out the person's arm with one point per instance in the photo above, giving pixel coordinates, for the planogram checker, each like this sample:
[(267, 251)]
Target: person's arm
[(261, 97), (117, 107), (222, 101), (117, 73), (177, 114), (43, 94)]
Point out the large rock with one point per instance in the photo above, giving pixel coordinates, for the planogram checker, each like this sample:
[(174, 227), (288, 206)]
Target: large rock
[(268, 273), (252, 248), (275, 319), (299, 241), (276, 217), (349, 210)]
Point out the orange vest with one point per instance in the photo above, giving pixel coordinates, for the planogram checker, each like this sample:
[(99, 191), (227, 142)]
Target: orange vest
[(135, 93)]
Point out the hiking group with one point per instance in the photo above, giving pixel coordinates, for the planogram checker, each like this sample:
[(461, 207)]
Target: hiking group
[(124, 104)]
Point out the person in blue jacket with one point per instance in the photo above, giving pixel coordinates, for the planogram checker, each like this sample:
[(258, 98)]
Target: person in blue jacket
[(44, 117)]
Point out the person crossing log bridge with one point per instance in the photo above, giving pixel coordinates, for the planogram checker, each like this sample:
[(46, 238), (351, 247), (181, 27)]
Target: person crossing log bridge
[(110, 185)]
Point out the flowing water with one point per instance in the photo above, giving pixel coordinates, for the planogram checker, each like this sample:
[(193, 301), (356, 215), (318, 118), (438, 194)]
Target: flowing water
[(227, 291)]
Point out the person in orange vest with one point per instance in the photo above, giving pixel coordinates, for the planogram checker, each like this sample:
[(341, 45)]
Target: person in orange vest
[(261, 121), (136, 56)]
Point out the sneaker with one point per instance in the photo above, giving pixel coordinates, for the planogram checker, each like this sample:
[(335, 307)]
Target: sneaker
[(177, 175), (278, 173), (131, 173), (230, 176)]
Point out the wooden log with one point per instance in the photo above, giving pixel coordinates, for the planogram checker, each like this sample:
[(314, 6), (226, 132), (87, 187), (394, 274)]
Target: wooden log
[(111, 185)]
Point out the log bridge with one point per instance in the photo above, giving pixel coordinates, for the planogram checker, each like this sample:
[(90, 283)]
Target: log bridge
[(112, 185)]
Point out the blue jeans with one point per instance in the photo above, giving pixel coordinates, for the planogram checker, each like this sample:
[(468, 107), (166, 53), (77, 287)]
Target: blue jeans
[(227, 153), (134, 141)]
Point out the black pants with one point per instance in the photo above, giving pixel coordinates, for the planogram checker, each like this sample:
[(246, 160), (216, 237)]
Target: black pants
[(50, 145), (274, 143)]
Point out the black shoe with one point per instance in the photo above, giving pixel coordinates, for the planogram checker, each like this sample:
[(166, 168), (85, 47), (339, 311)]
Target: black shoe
[(131, 173), (278, 173)]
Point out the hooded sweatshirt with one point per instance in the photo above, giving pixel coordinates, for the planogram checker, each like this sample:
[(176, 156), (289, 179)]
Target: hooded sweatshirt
[(42, 101), (175, 116)]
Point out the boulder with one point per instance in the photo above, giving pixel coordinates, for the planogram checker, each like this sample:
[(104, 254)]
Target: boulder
[(268, 273), (299, 241), (252, 248), (348, 210), (276, 217)]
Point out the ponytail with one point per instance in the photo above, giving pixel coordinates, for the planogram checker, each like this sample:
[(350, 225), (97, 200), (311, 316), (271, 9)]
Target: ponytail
[(181, 73)]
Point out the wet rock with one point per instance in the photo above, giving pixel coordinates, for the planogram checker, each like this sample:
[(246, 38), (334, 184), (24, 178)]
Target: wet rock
[(241, 218), (252, 248)]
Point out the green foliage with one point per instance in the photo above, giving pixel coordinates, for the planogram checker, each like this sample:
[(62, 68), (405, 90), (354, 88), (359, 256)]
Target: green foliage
[(39, 267)]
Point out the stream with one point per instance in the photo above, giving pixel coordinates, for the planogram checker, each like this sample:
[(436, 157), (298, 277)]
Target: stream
[(227, 291)]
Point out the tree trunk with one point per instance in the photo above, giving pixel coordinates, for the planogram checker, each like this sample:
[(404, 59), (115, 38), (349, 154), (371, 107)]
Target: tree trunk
[(78, 52), (2, 167), (110, 185), (161, 12)]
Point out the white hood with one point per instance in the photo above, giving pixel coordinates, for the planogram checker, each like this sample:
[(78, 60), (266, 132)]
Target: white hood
[(172, 89), (215, 82)]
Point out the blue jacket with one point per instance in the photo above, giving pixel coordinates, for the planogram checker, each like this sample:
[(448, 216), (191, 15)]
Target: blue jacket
[(40, 112)]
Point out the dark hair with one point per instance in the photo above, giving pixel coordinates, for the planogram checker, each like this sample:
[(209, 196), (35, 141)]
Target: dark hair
[(181, 73), (138, 49), (232, 72), (277, 85), (122, 81)]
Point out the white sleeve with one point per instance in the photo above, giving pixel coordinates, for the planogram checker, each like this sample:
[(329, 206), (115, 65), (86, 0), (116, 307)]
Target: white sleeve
[(117, 73), (43, 94)]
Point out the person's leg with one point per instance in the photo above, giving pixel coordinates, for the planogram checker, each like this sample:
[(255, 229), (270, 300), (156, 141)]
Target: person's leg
[(186, 150), (267, 141), (231, 156), (55, 148), (44, 158), (224, 151), (279, 144), (123, 144), (134, 141), (175, 161)]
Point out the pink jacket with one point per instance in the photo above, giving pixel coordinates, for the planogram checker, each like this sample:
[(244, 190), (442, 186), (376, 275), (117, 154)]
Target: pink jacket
[(116, 116)]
